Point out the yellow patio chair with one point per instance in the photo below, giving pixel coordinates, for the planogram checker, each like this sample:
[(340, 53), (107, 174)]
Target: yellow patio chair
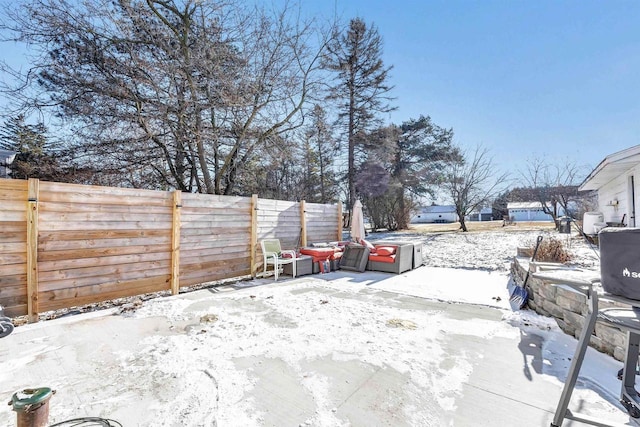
[(273, 254)]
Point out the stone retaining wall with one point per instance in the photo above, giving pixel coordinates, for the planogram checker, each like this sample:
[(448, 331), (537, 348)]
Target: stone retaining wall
[(567, 305)]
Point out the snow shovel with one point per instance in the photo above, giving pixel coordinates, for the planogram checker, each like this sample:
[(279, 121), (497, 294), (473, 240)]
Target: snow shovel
[(520, 294)]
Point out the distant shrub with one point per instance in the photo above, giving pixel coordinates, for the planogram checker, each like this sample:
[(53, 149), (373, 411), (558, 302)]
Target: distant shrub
[(552, 250)]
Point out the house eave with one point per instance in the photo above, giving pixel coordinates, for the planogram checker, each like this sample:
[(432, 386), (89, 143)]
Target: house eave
[(611, 167)]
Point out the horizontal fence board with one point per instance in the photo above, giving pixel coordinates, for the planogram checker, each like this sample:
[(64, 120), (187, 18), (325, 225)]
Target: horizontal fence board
[(15, 258), (13, 216), (16, 310), (140, 269), (213, 244), (12, 226), (12, 269), (214, 202), (124, 276), (13, 247), (193, 265), (188, 213), (17, 278), (13, 195), (89, 198), (271, 216), (14, 291), (47, 187), (105, 225), (280, 233), (101, 252), (190, 256), (284, 227), (207, 272), (215, 233), (15, 205), (276, 204), (54, 300), (17, 299), (240, 262), (108, 246), (105, 217), (13, 184), (13, 236), (46, 236), (211, 223), (218, 238), (101, 208), (73, 263)]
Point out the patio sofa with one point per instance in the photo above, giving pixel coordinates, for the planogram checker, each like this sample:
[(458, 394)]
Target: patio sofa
[(391, 258)]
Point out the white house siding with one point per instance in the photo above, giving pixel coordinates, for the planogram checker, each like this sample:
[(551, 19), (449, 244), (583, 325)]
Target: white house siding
[(613, 198)]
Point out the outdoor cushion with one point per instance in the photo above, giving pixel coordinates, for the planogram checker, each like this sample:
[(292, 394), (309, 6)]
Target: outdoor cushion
[(385, 250), (380, 258), (318, 252)]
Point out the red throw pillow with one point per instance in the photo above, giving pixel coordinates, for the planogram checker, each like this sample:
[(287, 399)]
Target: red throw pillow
[(385, 250)]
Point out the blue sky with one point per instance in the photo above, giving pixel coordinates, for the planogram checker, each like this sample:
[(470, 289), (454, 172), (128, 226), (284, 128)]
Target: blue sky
[(559, 79)]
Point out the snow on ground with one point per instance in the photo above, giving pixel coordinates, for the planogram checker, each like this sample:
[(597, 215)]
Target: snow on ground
[(346, 318), (491, 251)]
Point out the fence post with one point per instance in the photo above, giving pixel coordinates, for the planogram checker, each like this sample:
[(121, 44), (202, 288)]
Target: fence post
[(254, 235), (340, 221), (303, 223), (175, 243), (32, 249)]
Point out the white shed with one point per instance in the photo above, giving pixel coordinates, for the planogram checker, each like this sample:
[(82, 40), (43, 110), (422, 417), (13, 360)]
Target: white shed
[(527, 211), (436, 213), (617, 181), (484, 214)]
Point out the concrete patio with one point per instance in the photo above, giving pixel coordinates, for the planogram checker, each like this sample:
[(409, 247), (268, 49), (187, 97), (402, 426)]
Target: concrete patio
[(339, 349)]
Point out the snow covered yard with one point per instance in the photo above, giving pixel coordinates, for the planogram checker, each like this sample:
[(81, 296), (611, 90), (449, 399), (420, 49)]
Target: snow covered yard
[(435, 346)]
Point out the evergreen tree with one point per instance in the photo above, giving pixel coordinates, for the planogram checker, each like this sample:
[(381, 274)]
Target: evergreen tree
[(34, 157), (361, 90), (404, 163)]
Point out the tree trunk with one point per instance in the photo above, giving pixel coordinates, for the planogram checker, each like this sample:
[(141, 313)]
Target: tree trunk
[(463, 224)]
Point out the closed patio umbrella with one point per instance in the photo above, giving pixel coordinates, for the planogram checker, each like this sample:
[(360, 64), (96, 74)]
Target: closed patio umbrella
[(357, 222)]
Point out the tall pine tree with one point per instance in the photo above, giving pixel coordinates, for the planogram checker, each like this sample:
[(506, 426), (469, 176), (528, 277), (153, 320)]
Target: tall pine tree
[(361, 88)]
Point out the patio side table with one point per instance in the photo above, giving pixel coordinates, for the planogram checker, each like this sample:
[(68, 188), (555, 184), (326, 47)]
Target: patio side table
[(304, 266)]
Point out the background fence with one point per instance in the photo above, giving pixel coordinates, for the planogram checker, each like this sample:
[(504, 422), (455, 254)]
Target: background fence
[(64, 245)]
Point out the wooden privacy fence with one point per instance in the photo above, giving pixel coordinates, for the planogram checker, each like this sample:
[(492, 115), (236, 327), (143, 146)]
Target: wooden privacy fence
[(64, 245)]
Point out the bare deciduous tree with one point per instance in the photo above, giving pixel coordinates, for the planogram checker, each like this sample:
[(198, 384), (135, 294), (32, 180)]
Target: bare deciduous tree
[(178, 92), (473, 183), (554, 185)]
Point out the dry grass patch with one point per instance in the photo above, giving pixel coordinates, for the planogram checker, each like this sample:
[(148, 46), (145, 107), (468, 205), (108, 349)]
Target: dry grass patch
[(482, 226)]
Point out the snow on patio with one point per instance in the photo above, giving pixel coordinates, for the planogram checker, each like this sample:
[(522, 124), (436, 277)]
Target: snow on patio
[(298, 352)]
